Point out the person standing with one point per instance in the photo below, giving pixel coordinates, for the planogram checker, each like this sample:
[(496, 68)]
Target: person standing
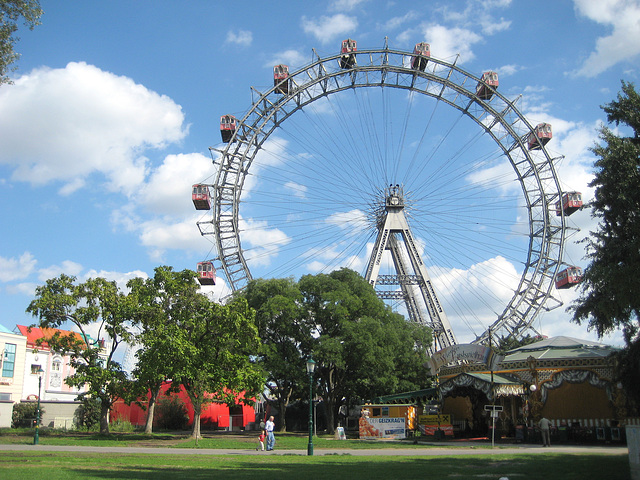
[(545, 426), (268, 428)]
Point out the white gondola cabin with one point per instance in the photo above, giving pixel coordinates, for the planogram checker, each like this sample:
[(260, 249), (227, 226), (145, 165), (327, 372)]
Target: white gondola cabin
[(571, 202), (348, 58), (487, 84), (421, 54), (201, 197), (206, 273), (227, 127), (281, 78), (568, 277), (540, 136)]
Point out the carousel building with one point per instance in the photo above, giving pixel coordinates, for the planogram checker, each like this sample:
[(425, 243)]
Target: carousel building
[(566, 380)]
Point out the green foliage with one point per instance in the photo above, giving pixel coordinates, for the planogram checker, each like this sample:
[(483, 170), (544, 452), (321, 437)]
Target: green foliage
[(93, 303), (610, 291), (87, 416), (361, 347), (279, 318), (171, 413), (25, 414), (10, 13), (121, 426)]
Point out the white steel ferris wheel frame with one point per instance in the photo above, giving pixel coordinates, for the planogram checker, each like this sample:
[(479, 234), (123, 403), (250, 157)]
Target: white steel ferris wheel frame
[(446, 82)]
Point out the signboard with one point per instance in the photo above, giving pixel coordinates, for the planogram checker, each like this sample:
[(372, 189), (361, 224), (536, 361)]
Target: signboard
[(464, 353), (341, 434), (385, 427), (429, 424)]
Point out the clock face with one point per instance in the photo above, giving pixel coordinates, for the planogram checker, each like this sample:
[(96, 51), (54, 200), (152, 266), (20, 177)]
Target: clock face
[(394, 200)]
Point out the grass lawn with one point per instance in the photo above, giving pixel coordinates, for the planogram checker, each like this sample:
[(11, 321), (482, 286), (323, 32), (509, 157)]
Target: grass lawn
[(552, 466), (243, 440)]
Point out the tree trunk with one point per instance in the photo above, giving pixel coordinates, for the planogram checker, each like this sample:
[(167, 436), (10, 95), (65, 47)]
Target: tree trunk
[(282, 404), (151, 407), (195, 432), (105, 406)]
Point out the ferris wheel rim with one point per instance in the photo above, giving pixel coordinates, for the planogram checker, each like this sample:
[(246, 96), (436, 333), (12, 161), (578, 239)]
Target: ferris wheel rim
[(376, 68)]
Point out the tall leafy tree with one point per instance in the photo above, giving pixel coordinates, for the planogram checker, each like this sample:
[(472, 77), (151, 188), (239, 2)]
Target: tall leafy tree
[(283, 333), (213, 349), (362, 349), (610, 291), (160, 302), (97, 304), (10, 13)]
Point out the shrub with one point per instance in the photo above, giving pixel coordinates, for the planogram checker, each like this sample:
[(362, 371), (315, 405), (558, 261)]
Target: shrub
[(171, 413), (121, 426), (24, 414), (87, 415)]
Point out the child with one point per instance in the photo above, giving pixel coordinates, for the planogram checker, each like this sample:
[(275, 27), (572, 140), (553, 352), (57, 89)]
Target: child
[(261, 440)]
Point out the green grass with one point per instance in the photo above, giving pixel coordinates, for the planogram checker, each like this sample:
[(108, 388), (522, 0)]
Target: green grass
[(286, 441), (552, 466)]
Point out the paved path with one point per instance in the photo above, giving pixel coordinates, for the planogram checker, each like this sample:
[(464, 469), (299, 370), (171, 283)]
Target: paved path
[(435, 450)]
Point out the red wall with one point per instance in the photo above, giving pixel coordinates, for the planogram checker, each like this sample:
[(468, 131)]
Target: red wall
[(213, 415)]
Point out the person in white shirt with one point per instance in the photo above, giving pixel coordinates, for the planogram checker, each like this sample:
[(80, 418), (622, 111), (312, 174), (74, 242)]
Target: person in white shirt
[(268, 428), (545, 426)]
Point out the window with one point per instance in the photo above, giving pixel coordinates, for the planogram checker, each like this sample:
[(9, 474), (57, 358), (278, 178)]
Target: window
[(9, 359), (55, 366), (35, 369)]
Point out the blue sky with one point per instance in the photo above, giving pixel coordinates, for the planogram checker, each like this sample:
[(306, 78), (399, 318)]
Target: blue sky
[(114, 106)]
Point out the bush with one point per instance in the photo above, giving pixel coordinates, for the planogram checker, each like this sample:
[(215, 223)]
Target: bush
[(87, 415), (121, 426), (171, 413), (24, 414)]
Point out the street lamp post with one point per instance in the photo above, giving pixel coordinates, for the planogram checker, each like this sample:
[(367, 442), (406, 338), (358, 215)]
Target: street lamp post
[(36, 436), (311, 366)]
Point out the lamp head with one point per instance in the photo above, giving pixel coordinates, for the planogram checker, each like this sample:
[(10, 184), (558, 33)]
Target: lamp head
[(311, 366)]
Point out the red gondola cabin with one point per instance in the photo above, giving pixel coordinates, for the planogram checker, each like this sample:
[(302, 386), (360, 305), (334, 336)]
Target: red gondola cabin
[(568, 277), (201, 197), (348, 58), (206, 273), (487, 84), (227, 127), (281, 78), (421, 54), (571, 202), (540, 136)]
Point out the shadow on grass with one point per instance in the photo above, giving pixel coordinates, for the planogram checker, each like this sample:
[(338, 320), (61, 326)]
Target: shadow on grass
[(516, 467)]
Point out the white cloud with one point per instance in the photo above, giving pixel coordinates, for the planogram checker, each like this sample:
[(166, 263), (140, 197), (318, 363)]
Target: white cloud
[(623, 17), (296, 189), (62, 125), (327, 29), (345, 5), (120, 278), (241, 37), (450, 41), (17, 268), (67, 267), (168, 189), (291, 57)]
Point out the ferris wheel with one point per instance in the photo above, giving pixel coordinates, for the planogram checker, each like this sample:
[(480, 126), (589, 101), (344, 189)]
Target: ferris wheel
[(307, 178)]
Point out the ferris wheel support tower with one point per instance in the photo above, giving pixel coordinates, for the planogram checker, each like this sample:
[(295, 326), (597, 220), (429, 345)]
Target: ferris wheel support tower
[(395, 236)]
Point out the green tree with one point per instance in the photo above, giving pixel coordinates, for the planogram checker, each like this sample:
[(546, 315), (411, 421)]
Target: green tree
[(96, 303), (160, 302), (362, 349), (610, 292), (279, 319), (213, 349), (10, 13)]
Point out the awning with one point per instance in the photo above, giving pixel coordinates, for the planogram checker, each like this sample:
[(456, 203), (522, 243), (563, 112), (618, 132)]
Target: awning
[(418, 396), (503, 385)]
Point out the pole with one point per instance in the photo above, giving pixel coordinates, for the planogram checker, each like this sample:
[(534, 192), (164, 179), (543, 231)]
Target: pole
[(310, 446), (36, 436), (493, 401)]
